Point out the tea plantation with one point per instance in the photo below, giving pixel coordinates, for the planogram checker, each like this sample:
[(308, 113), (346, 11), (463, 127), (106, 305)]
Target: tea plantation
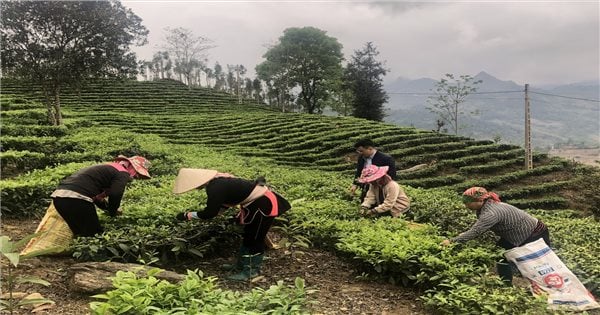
[(308, 158)]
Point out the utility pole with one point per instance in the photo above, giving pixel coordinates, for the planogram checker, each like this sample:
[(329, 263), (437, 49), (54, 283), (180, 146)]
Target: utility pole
[(237, 71), (528, 154)]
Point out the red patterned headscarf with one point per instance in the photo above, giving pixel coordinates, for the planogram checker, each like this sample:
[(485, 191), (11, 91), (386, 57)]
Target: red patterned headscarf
[(475, 194)]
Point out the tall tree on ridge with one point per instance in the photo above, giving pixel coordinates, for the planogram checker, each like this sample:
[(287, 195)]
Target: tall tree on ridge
[(305, 58), (450, 93), (364, 78), (65, 43), (220, 83), (187, 51)]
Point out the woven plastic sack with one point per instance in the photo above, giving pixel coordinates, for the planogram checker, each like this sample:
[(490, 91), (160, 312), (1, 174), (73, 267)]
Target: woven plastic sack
[(55, 236), (548, 274)]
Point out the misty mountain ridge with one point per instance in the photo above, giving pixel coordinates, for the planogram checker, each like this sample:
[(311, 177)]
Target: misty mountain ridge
[(554, 119)]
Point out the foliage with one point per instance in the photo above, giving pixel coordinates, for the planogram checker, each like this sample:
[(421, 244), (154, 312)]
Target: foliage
[(450, 93), (194, 295), (364, 77), (10, 252), (187, 50), (153, 239), (292, 152), (63, 43), (586, 186), (305, 58), (485, 294)]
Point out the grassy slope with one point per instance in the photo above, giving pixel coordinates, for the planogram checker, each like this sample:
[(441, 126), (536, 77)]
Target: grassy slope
[(206, 117)]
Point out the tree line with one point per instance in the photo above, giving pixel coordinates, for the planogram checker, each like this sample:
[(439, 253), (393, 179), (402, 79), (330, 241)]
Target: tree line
[(302, 72), (58, 44)]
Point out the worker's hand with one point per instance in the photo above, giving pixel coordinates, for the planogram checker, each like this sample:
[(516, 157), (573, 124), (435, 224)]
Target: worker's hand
[(353, 189), (119, 212), (363, 211), (446, 243), (366, 212), (183, 216), (101, 203)]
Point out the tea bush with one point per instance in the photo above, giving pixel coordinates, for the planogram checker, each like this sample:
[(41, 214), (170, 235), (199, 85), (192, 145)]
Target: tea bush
[(196, 294)]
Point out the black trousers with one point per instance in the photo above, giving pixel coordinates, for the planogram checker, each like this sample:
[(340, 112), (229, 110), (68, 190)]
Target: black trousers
[(80, 215), (544, 234), (256, 231)]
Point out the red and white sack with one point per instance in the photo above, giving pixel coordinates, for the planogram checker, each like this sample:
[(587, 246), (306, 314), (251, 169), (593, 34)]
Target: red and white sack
[(539, 264)]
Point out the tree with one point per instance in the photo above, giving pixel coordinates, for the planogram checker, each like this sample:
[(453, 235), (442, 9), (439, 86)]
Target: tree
[(64, 43), (209, 76), (449, 94), (342, 101), (220, 83), (187, 50), (305, 58), (162, 64), (257, 90), (248, 88), (364, 78)]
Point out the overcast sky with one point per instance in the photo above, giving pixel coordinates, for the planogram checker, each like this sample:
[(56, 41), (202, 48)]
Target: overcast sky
[(537, 42)]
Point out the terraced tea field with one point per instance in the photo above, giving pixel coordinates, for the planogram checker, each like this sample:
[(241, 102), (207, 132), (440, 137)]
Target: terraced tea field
[(310, 159), (208, 118)]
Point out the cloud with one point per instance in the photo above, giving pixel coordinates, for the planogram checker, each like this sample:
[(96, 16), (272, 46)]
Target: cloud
[(534, 42)]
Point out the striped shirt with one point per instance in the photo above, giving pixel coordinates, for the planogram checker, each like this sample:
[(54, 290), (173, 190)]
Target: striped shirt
[(510, 223)]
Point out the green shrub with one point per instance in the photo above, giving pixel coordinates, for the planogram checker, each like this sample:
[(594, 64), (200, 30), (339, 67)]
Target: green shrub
[(485, 294), (196, 294)]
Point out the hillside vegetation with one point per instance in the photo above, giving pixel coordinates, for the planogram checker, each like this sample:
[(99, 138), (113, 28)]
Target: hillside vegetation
[(308, 158), (205, 117)]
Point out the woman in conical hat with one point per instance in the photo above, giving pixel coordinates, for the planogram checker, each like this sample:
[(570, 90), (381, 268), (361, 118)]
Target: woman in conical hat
[(258, 205), (384, 194), (102, 185)]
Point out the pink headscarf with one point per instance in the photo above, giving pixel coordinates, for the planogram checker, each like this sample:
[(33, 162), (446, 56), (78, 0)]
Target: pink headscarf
[(475, 194)]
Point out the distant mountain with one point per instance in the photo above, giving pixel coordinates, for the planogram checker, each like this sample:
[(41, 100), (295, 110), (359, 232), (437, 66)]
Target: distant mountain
[(554, 119), (401, 85)]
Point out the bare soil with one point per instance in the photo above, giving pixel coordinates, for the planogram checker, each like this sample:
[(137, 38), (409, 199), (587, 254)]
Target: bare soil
[(339, 289)]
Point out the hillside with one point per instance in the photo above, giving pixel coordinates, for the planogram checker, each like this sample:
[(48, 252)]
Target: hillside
[(554, 119), (208, 118), (342, 257)]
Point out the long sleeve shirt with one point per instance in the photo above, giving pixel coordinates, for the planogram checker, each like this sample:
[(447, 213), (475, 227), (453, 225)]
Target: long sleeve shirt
[(395, 200), (223, 192), (509, 222), (98, 179)]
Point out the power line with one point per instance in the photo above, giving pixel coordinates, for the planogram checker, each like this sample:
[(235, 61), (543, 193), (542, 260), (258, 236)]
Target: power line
[(411, 93), (494, 98), (498, 92), (423, 94), (569, 97)]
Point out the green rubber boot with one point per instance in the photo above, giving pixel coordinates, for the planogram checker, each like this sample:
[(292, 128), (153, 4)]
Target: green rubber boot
[(505, 272), (250, 268), (237, 266)]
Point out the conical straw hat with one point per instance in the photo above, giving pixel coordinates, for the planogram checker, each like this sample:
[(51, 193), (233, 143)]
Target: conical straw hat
[(191, 178)]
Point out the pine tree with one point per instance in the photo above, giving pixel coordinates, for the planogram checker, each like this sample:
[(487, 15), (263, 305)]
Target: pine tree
[(364, 79)]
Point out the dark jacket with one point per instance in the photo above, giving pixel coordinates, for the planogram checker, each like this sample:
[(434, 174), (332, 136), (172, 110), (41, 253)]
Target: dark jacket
[(96, 180), (379, 159), (223, 192)]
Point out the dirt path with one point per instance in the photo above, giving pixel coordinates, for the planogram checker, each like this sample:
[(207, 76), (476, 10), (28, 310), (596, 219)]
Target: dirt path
[(339, 289)]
